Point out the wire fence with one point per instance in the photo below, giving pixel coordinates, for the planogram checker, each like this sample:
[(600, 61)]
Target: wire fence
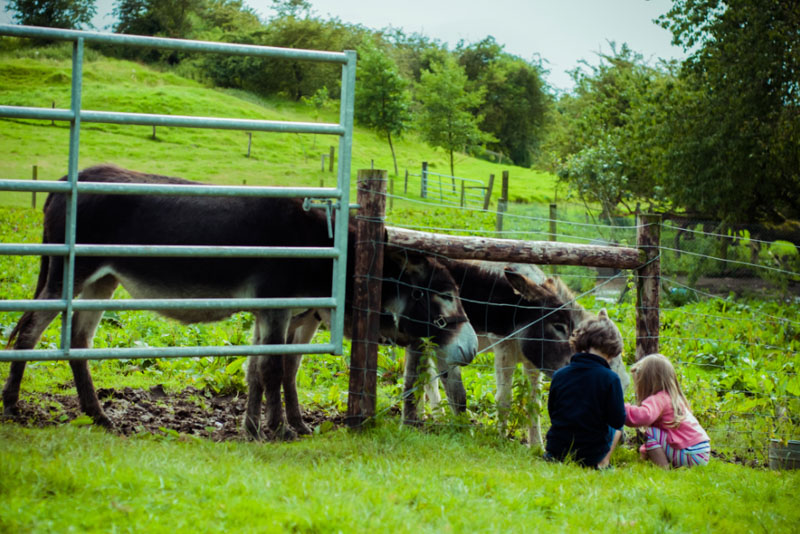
[(728, 314)]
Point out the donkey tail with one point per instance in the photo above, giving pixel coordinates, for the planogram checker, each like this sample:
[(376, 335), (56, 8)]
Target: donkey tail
[(24, 321)]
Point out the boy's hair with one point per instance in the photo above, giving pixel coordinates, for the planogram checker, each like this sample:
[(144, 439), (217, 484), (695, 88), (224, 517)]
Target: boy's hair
[(598, 332), (655, 373)]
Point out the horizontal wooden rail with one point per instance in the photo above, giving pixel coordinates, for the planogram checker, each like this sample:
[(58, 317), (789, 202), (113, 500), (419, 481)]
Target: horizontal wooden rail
[(510, 250)]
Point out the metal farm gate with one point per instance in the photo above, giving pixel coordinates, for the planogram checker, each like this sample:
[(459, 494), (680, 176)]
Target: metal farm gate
[(338, 199)]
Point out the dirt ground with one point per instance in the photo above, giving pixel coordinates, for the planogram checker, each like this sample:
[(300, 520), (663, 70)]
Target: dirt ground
[(135, 411)]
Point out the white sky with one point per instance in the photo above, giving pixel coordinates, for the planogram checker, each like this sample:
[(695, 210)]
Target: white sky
[(561, 32)]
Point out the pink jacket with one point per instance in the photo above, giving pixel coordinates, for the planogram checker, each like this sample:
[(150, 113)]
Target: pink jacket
[(656, 410)]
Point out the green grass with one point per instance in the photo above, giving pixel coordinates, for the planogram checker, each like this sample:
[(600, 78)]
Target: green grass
[(218, 156), (458, 478), (386, 479)]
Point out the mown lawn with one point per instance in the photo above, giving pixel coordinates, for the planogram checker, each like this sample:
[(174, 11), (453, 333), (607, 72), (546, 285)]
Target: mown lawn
[(387, 479)]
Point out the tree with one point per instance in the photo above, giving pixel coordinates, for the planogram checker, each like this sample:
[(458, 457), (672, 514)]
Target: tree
[(445, 118), (734, 125), (603, 133), (382, 97), (69, 14), (165, 18), (516, 102), (291, 8)]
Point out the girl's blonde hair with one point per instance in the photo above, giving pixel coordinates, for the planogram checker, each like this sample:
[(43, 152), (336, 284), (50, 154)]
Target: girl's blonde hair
[(655, 373)]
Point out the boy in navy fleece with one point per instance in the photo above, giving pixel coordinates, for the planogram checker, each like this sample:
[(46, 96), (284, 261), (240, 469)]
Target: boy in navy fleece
[(586, 406)]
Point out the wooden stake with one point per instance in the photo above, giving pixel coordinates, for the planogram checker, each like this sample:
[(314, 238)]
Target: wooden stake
[(366, 296), (648, 284)]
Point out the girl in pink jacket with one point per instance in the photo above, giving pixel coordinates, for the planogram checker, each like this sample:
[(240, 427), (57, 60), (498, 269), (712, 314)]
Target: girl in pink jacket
[(673, 435)]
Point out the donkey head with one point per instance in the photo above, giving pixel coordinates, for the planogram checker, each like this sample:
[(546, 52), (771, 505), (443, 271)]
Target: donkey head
[(547, 316), (420, 300)]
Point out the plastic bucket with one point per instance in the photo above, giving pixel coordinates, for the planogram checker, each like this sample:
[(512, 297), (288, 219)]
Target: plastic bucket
[(784, 456)]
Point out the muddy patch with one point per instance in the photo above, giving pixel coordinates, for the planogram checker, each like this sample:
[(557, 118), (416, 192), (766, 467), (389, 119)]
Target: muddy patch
[(155, 411)]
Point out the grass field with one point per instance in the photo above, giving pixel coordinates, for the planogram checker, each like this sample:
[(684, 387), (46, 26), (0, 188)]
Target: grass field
[(449, 477), (387, 479), (197, 154)]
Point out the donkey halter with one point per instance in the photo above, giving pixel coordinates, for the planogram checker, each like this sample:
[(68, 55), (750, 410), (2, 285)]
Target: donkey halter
[(441, 322)]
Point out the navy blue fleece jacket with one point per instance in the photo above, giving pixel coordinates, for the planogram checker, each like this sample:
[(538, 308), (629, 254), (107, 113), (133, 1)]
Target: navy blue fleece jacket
[(585, 399)]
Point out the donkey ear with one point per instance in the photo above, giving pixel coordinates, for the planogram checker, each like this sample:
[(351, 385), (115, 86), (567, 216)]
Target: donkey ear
[(527, 288), (412, 262), (603, 314)]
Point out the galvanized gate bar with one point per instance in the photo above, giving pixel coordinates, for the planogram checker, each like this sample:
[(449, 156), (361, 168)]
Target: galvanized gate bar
[(199, 190), (163, 352), (175, 44), (71, 187), (180, 121), (169, 304), (346, 114), (70, 231), (170, 251)]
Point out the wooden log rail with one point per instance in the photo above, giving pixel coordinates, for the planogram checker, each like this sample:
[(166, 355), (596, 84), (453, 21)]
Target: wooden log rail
[(510, 250)]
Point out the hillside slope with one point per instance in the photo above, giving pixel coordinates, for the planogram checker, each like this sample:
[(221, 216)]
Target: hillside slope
[(218, 156)]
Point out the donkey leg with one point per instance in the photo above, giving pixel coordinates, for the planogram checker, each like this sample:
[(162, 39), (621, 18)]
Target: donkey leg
[(11, 389), (294, 415), (84, 326), (271, 328), (431, 386), (301, 331), (26, 336), (536, 405), (505, 362), (410, 397), (255, 393), (453, 386)]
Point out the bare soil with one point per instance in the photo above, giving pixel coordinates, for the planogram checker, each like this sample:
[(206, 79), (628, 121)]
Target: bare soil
[(154, 411)]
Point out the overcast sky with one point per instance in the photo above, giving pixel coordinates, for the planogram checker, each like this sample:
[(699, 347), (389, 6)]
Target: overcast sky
[(561, 32)]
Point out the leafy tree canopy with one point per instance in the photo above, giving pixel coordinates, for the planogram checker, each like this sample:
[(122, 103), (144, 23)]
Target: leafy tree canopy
[(734, 128), (516, 102), (446, 117), (69, 14), (382, 98)]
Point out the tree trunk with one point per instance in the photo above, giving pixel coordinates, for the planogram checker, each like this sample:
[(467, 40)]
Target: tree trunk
[(391, 146)]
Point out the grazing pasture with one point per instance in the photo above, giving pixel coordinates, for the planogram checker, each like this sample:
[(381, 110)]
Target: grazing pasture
[(739, 362)]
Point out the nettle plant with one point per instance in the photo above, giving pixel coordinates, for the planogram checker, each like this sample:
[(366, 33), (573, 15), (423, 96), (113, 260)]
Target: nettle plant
[(738, 363)]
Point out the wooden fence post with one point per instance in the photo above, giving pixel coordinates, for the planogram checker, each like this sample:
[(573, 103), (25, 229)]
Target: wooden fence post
[(52, 122), (405, 184), (648, 284), (366, 296), (502, 203), (488, 196), (249, 142), (423, 188), (462, 195), (331, 157), (391, 192), (34, 177)]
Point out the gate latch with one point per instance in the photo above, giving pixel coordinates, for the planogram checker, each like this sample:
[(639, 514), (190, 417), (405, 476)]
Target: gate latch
[(321, 203)]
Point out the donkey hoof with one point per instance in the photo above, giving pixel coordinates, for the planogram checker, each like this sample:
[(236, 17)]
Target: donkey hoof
[(251, 434), (10, 411), (104, 422), (416, 423), (301, 428), (284, 433)]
